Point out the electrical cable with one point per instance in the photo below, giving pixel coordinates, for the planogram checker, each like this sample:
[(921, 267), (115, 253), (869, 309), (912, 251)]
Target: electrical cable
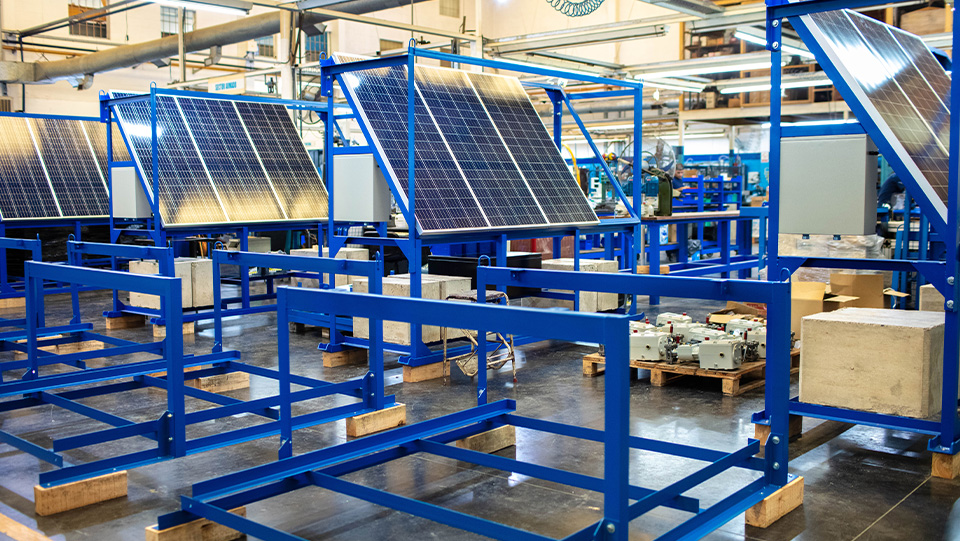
[(575, 9)]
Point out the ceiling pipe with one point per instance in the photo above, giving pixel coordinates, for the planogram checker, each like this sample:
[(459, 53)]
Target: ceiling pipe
[(248, 28)]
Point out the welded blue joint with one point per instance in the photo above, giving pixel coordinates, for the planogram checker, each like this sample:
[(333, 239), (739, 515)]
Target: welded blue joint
[(936, 445)]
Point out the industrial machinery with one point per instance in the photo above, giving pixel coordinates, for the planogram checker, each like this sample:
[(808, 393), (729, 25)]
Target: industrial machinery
[(667, 318), (652, 346), (724, 354)]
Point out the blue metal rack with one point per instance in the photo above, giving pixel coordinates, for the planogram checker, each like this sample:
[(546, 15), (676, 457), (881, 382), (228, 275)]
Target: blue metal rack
[(945, 432), (169, 429), (622, 501), (162, 234), (621, 236)]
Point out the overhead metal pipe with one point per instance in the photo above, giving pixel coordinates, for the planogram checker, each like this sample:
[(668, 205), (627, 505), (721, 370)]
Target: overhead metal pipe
[(248, 28)]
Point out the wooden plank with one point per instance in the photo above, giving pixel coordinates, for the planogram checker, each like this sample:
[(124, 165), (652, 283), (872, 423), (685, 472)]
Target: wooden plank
[(794, 430), (18, 531), (415, 374), (53, 500), (377, 421), (775, 506), (346, 357), (13, 302), (126, 321), (593, 365), (221, 383), (490, 441), (198, 530), (945, 466), (160, 331)]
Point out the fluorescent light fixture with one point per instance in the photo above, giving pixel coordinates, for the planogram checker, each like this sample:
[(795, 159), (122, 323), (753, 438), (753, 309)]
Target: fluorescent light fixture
[(682, 86), (610, 127), (761, 41), (697, 135), (230, 7), (833, 122), (760, 87), (743, 66)]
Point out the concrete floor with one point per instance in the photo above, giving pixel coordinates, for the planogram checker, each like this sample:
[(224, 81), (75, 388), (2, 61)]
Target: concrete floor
[(861, 483)]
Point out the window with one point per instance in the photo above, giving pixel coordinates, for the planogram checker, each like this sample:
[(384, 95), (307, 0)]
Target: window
[(313, 46), (95, 27), (170, 23), (450, 8), (265, 47)]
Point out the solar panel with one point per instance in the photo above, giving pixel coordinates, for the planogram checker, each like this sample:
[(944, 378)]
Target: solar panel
[(25, 191), (899, 82), (479, 129), (534, 151), (503, 194), (295, 179), (186, 195), (444, 201), (230, 160), (73, 172)]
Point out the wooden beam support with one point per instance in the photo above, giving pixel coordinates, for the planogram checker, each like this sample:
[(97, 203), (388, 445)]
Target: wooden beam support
[(198, 530), (53, 500), (126, 321), (945, 466), (490, 441), (776, 505), (377, 421), (345, 357)]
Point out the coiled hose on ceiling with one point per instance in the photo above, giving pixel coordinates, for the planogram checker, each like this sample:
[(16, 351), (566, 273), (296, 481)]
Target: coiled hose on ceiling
[(575, 9)]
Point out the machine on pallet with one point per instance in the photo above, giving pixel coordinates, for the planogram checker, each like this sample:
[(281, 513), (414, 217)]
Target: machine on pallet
[(906, 115)]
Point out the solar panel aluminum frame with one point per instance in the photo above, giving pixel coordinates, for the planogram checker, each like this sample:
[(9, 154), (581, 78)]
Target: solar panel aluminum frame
[(868, 115), (334, 70), (109, 114)]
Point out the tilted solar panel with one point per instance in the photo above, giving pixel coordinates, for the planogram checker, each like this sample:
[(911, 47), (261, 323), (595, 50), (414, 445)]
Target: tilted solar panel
[(900, 85), (97, 134), (25, 191), (444, 200), (483, 157)]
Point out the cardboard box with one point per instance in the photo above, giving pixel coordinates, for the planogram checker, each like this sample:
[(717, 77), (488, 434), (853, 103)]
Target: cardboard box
[(930, 299), (875, 360), (182, 268), (868, 288), (733, 102), (808, 298), (923, 21)]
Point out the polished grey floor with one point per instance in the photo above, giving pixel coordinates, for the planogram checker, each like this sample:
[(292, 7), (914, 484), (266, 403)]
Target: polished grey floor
[(861, 483)]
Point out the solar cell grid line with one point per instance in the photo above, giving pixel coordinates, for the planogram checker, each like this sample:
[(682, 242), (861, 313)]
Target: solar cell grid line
[(229, 159), (534, 151), (894, 107), (97, 134), (186, 195), (481, 155), (444, 200), (203, 163), (71, 168), (25, 191), (101, 172), (283, 158)]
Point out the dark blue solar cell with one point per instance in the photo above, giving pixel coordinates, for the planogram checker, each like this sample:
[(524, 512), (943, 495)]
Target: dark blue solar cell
[(24, 189), (67, 155)]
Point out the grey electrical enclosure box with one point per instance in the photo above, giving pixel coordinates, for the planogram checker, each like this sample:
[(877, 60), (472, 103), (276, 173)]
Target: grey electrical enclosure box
[(128, 199), (360, 193), (828, 185)]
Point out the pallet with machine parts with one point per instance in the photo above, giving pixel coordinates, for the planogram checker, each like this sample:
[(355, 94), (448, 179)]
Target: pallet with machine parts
[(735, 382)]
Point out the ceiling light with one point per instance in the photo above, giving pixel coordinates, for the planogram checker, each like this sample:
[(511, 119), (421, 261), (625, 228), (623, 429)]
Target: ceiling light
[(231, 7), (761, 41), (832, 122), (761, 87), (682, 86), (698, 135), (743, 66)]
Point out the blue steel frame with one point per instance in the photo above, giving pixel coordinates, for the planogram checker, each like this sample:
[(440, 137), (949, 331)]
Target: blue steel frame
[(324, 468), (296, 267), (942, 274), (627, 230), (169, 430), (13, 287), (162, 234)]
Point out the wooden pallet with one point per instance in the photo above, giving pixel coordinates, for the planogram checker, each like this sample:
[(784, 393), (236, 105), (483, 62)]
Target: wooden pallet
[(734, 382)]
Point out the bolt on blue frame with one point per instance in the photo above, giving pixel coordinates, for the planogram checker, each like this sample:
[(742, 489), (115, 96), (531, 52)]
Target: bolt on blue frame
[(622, 502), (166, 372), (941, 274), (626, 230)]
